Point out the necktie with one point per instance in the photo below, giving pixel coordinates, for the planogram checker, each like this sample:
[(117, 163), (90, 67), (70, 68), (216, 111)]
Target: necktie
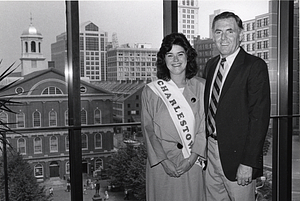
[(211, 124)]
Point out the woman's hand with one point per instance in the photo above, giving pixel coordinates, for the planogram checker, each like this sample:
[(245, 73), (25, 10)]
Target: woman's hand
[(170, 168), (186, 164)]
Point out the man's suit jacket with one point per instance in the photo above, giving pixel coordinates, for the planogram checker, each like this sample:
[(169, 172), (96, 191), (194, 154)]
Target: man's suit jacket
[(242, 116)]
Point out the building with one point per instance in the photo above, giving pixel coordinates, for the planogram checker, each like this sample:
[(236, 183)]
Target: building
[(131, 63), (92, 43), (188, 19), (205, 49), (40, 119), (127, 103)]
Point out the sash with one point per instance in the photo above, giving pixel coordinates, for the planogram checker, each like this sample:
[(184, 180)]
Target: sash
[(180, 112)]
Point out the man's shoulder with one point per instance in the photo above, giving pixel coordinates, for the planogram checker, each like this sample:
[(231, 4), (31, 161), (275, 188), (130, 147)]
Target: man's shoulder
[(251, 57), (213, 59)]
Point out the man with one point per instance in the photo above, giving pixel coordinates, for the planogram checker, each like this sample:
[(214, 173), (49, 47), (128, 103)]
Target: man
[(237, 111)]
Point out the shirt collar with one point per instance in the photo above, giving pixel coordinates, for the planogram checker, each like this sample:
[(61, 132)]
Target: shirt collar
[(230, 58)]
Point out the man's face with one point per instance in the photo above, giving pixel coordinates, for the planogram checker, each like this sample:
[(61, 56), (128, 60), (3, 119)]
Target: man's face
[(227, 36)]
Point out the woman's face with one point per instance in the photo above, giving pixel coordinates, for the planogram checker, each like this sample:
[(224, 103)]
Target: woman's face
[(176, 60)]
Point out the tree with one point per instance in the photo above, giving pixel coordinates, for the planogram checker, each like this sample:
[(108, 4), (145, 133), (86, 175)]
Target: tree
[(127, 168), (22, 185)]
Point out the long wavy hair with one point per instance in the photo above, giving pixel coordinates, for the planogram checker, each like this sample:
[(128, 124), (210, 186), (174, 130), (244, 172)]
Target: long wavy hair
[(166, 46)]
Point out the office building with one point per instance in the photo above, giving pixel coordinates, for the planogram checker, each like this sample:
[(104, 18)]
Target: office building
[(188, 19), (93, 42), (131, 63)]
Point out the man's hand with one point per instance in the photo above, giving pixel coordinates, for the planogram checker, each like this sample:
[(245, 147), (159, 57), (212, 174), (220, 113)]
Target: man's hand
[(244, 175), (170, 168)]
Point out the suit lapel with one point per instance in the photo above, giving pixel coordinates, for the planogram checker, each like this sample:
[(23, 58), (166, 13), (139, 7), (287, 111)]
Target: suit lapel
[(234, 70)]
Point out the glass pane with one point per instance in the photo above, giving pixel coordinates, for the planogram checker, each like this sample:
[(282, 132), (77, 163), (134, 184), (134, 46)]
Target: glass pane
[(296, 108), (296, 163), (259, 38)]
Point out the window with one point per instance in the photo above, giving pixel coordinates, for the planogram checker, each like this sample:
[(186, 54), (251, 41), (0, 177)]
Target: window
[(248, 37), (259, 23), (98, 140), (36, 119), (266, 55), (97, 116), (26, 47), (84, 141), (265, 44), (38, 170), (37, 143), (67, 117), (265, 32), (259, 34), (21, 146), (20, 119), (259, 54), (68, 167), (53, 144), (67, 142), (248, 47), (52, 91), (33, 49), (259, 45), (83, 117), (52, 118)]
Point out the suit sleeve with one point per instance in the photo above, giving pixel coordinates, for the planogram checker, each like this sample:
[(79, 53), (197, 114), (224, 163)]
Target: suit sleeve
[(259, 113), (155, 151)]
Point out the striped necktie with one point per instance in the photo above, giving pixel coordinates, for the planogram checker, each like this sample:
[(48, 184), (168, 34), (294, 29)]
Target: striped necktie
[(211, 124)]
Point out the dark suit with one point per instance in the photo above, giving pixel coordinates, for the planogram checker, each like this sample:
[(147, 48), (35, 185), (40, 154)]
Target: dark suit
[(243, 113)]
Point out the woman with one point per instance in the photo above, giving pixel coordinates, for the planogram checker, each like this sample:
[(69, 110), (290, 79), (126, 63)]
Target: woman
[(173, 125)]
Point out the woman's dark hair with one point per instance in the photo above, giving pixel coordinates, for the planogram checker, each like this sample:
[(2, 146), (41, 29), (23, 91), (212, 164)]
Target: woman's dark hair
[(226, 15), (166, 46)]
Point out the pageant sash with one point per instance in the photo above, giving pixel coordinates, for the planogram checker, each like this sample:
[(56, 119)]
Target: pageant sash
[(180, 112)]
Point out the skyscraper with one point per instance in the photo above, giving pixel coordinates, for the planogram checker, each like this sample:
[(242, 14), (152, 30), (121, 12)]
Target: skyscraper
[(93, 43), (188, 19)]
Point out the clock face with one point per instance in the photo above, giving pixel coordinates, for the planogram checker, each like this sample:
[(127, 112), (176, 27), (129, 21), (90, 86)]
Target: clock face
[(19, 90), (82, 89)]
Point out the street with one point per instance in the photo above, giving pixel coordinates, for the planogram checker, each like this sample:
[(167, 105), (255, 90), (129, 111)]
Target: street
[(60, 193)]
